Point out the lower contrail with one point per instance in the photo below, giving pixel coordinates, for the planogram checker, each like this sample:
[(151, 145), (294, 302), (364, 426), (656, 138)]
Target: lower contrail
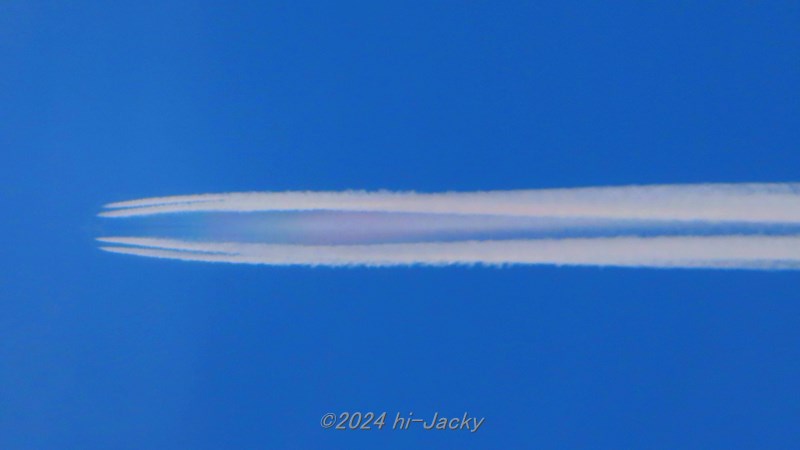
[(732, 226), (732, 252)]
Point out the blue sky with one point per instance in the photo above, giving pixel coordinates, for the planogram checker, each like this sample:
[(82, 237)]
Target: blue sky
[(103, 102)]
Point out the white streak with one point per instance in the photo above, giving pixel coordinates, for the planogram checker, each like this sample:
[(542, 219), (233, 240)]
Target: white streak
[(722, 252), (172, 200), (773, 203)]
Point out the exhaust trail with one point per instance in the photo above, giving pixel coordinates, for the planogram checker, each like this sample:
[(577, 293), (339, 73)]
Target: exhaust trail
[(776, 202), (719, 226), (726, 252)]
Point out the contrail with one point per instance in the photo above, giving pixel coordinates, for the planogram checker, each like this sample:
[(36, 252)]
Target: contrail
[(734, 226), (775, 203), (725, 252)]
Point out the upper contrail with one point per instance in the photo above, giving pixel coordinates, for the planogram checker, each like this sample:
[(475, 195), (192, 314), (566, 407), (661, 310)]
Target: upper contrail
[(777, 202), (742, 226)]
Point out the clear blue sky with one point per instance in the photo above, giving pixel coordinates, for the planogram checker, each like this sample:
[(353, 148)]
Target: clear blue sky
[(108, 101)]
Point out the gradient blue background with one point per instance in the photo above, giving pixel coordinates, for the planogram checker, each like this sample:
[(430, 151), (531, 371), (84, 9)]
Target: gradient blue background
[(108, 101)]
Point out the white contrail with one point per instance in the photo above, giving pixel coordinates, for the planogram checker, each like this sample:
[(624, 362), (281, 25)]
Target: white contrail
[(445, 226), (720, 252), (175, 199), (752, 203)]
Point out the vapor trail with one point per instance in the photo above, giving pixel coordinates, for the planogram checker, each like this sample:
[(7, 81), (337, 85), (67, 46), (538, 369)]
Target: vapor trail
[(720, 252), (738, 226), (767, 203)]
